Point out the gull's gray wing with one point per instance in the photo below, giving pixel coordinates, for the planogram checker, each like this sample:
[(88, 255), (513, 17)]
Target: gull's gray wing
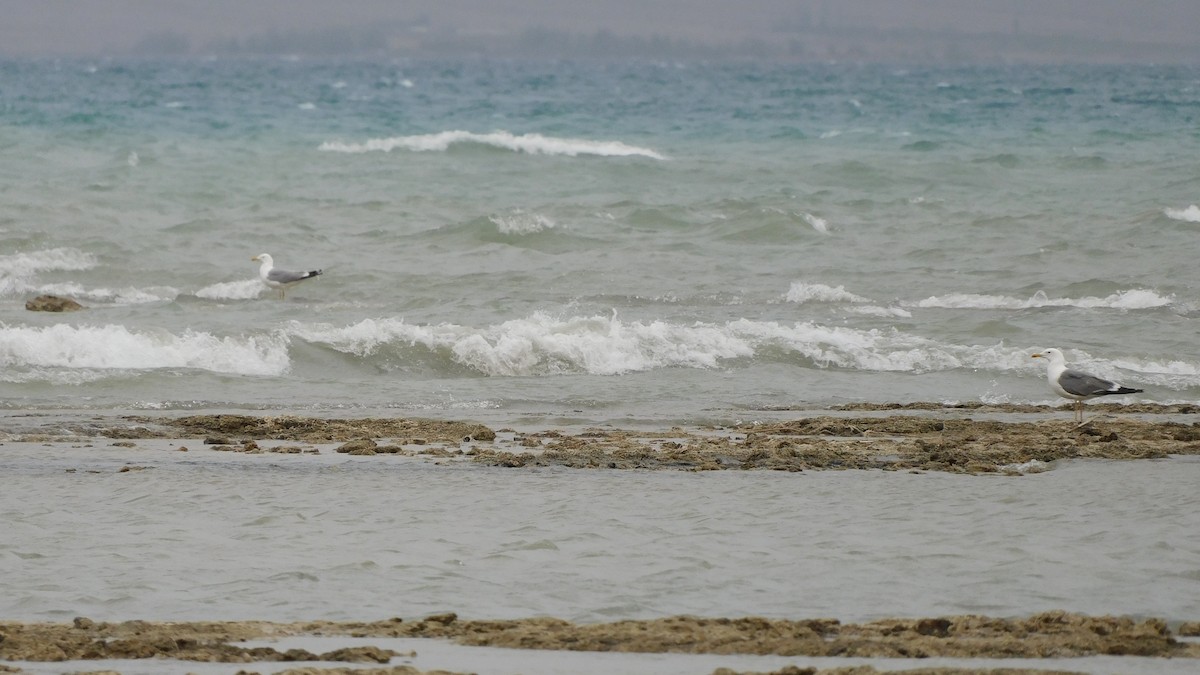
[(288, 277), (1081, 384)]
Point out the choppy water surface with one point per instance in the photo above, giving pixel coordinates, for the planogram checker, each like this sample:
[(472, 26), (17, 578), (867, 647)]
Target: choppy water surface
[(651, 239), (210, 535)]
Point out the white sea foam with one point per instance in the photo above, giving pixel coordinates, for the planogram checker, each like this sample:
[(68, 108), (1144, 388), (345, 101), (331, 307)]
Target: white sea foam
[(520, 222), (542, 345), (802, 292), (114, 347), (876, 310), (1191, 214), (246, 289), (533, 144), (840, 347), (602, 345), (818, 224), (1130, 299)]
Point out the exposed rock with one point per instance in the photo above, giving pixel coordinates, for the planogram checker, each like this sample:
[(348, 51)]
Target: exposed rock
[(313, 430), (900, 442), (1048, 635), (364, 446), (52, 303)]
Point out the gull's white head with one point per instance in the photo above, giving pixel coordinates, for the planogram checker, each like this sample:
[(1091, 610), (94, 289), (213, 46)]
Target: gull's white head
[(265, 258), (1053, 355)]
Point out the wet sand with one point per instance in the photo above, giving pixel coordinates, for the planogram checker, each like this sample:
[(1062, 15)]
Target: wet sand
[(879, 437)]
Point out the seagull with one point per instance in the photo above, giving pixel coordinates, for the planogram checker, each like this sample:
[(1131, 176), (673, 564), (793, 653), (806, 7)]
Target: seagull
[(1077, 385), (280, 279)]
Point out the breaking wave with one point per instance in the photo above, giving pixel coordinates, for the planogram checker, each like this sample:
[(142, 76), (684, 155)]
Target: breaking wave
[(1129, 299), (1190, 215), (533, 144), (118, 348)]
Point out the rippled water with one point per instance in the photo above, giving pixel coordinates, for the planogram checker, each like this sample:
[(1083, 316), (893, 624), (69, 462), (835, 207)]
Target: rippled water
[(621, 238), (212, 535)]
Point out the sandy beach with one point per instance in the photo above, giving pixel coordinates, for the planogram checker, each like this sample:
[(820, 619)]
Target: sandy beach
[(923, 438)]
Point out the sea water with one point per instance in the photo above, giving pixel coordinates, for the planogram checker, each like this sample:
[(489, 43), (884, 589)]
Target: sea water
[(215, 535), (642, 239)]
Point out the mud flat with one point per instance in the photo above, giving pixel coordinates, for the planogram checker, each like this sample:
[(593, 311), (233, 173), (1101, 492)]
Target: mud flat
[(890, 437), (1041, 636)]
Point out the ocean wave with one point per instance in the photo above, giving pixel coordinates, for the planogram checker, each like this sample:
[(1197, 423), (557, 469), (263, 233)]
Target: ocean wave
[(1130, 299), (519, 222), (876, 310), (533, 144), (18, 277), (108, 296), (18, 270), (817, 223), (25, 349), (1148, 372), (246, 289), (802, 292), (538, 345), (541, 345), (50, 259), (1189, 215)]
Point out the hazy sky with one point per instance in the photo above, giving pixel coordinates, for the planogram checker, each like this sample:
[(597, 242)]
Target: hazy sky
[(96, 27)]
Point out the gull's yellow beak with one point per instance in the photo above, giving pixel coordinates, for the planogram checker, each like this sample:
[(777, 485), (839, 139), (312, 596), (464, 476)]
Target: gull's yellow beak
[(254, 258), (1039, 355)]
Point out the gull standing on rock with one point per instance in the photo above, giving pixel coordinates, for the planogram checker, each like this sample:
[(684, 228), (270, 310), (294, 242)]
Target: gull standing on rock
[(280, 279), (1077, 385)]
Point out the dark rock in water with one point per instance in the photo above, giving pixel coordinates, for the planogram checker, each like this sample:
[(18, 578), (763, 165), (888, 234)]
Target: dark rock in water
[(52, 303)]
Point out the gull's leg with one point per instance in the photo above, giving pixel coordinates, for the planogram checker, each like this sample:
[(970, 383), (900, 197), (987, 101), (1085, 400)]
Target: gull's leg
[(1079, 414)]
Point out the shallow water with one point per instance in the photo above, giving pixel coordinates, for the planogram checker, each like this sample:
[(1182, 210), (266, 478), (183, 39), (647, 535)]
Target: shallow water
[(431, 654), (210, 535)]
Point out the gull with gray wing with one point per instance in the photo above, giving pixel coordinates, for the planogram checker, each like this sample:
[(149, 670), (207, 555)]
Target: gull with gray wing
[(1076, 384), (277, 278)]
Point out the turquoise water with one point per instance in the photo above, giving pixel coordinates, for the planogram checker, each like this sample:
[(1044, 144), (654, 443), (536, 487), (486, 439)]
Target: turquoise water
[(665, 241)]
